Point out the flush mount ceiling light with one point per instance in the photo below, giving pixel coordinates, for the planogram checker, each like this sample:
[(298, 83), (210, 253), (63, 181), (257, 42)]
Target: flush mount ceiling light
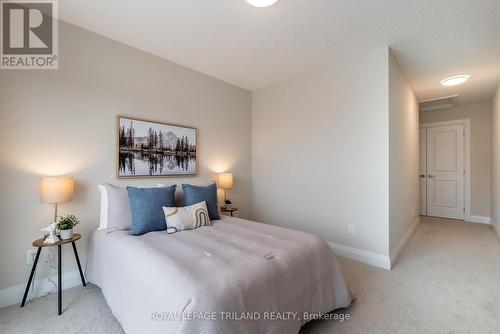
[(454, 80), (262, 3)]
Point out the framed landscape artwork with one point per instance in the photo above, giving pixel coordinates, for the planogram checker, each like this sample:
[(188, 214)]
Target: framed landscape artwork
[(153, 149)]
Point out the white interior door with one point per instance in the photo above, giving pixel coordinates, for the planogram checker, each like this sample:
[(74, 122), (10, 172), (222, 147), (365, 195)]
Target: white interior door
[(445, 171), (423, 171)]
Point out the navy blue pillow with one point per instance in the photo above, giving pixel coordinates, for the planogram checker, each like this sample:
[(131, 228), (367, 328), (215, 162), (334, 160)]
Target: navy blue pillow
[(147, 208), (197, 194)]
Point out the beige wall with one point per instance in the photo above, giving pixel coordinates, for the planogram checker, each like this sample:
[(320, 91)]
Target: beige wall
[(495, 160), (321, 153), (63, 122), (479, 115), (403, 155)]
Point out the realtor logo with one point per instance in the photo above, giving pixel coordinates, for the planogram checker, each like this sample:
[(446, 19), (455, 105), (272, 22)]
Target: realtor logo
[(29, 35)]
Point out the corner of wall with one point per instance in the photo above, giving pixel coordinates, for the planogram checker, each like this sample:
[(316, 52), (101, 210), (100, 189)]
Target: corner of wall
[(403, 159), (496, 228), (495, 159), (403, 241)]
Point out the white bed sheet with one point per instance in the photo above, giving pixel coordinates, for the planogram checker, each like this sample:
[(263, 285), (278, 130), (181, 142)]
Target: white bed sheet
[(161, 283)]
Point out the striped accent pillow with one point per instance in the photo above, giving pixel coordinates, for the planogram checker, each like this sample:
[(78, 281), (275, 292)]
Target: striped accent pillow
[(186, 218)]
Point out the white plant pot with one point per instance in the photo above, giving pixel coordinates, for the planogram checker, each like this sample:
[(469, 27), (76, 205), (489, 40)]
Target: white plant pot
[(66, 234)]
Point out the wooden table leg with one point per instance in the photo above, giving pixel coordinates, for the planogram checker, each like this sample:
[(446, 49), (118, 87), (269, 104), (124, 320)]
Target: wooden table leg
[(59, 280), (31, 276), (78, 262)]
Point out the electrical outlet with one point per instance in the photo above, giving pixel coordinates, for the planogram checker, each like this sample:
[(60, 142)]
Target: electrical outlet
[(351, 229), (30, 255)]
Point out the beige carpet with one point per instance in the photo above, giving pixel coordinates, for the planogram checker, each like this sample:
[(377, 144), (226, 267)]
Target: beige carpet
[(447, 280)]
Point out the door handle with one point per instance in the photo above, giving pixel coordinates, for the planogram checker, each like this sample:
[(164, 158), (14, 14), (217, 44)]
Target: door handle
[(430, 175), (422, 176)]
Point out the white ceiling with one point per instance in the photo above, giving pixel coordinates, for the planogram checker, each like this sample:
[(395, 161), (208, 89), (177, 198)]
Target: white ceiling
[(255, 48)]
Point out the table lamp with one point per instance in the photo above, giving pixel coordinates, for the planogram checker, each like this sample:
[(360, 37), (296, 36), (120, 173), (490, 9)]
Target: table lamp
[(55, 190), (225, 181)]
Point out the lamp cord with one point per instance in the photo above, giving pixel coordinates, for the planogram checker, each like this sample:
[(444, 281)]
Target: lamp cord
[(50, 261)]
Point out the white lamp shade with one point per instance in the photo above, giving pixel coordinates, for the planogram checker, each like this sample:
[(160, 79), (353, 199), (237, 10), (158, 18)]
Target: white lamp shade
[(225, 180), (56, 189)]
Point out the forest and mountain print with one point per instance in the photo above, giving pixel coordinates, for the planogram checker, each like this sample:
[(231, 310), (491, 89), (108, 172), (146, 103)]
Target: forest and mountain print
[(155, 149)]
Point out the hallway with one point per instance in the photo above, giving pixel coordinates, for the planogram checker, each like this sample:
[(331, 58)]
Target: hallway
[(447, 280)]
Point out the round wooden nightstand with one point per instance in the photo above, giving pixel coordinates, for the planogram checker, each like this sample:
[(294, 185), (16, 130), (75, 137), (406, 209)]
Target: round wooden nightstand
[(39, 243), (231, 211)]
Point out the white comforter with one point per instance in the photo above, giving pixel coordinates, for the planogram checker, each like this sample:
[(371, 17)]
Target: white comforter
[(187, 282)]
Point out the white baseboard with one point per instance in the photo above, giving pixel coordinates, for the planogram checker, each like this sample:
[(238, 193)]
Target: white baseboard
[(14, 294), (404, 240), (479, 219), (360, 255)]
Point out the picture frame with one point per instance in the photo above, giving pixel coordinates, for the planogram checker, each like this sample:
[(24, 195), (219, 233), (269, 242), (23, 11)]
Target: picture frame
[(152, 149)]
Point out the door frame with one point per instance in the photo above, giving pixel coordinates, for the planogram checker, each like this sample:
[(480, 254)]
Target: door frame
[(466, 124)]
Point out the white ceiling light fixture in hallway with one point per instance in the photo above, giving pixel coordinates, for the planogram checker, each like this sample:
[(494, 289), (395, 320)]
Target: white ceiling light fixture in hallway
[(454, 80), (262, 3)]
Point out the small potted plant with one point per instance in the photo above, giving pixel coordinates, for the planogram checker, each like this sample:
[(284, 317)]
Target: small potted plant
[(228, 205), (66, 225)]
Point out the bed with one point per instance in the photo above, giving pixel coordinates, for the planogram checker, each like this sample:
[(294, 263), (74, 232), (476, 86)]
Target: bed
[(236, 276)]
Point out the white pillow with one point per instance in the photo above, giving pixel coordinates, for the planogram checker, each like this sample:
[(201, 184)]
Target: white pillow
[(103, 220), (115, 207), (186, 218)]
